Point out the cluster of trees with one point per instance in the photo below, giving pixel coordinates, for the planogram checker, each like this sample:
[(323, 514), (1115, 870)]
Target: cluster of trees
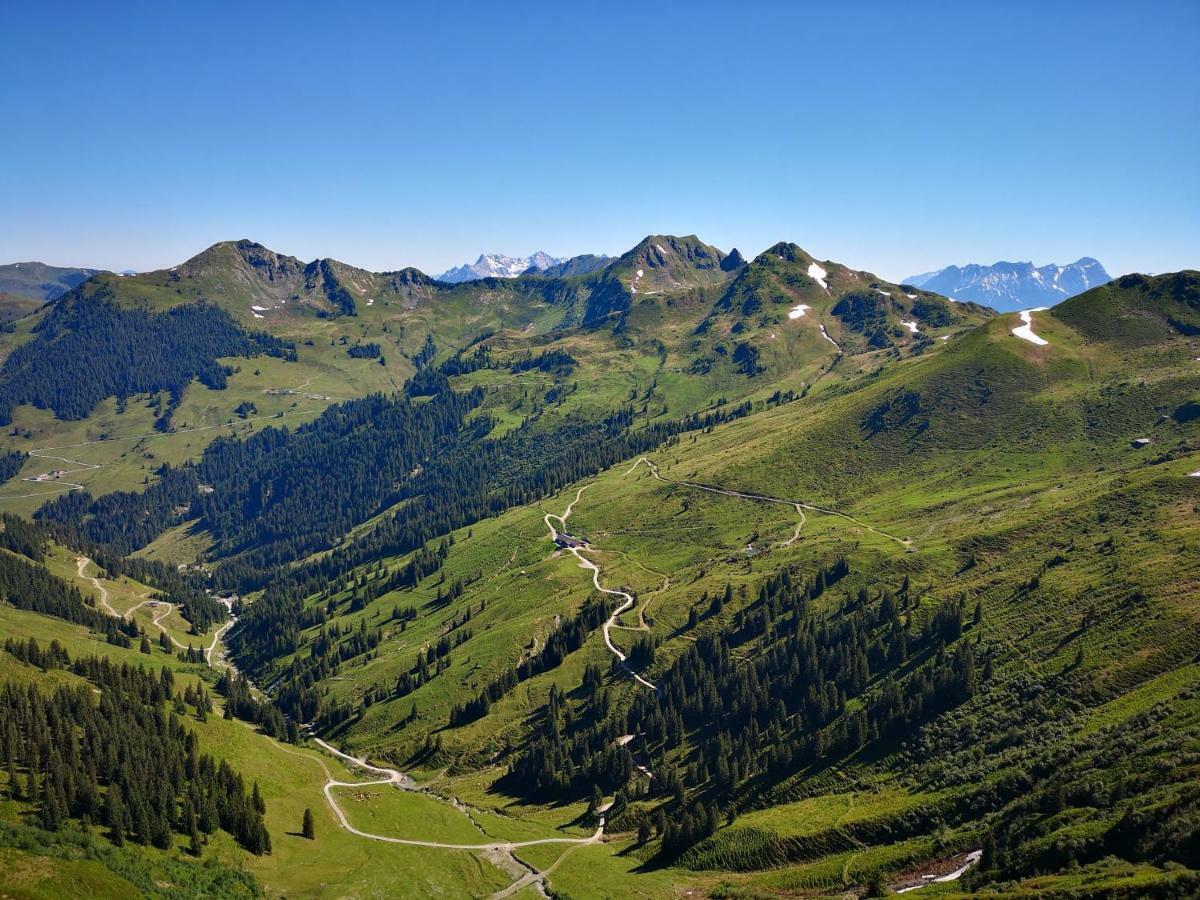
[(461, 364), (364, 351), (122, 760), (86, 351), (430, 663), (30, 652), (787, 706), (241, 704), (425, 562), (556, 360), (201, 610), (425, 355), (10, 464)]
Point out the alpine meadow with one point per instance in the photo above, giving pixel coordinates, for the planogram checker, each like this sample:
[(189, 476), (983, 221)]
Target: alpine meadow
[(659, 572)]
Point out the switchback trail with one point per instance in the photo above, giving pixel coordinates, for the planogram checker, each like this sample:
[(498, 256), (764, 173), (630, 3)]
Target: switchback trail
[(798, 505), (81, 564), (164, 610), (585, 563)]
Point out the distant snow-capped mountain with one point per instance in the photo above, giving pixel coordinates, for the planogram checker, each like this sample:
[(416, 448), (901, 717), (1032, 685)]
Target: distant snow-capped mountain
[(1008, 286), (496, 265)]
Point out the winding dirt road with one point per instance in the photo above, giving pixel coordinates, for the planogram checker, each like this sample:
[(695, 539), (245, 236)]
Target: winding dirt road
[(81, 563), (399, 779), (585, 563)]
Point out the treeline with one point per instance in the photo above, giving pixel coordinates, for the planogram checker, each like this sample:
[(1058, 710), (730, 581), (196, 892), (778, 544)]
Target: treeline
[(24, 537), (565, 639), (87, 349), (812, 688), (279, 495), (120, 760)]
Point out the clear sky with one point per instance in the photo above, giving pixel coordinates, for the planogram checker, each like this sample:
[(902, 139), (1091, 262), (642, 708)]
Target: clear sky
[(895, 137)]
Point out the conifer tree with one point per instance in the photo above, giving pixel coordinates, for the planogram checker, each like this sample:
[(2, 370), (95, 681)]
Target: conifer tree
[(306, 829)]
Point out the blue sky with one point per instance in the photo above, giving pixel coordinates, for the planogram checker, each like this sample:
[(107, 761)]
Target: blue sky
[(894, 137)]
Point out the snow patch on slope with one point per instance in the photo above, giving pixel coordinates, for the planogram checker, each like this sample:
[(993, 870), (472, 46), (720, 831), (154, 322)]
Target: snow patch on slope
[(819, 275), (1025, 331)]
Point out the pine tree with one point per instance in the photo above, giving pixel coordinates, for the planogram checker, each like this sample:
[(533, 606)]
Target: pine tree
[(115, 816), (307, 828), (596, 800)]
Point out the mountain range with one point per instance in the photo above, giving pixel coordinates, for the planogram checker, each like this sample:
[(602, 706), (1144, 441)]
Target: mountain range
[(676, 572), (1008, 286), (497, 265)]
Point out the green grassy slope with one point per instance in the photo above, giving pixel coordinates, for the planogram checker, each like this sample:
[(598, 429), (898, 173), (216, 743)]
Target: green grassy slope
[(1008, 465)]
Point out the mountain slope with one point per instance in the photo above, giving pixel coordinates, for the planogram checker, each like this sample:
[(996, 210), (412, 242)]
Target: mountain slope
[(787, 310), (927, 609), (1008, 286), (1008, 579), (38, 281), (1137, 310)]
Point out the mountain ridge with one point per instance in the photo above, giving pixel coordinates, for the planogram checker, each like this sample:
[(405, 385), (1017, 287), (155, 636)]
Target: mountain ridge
[(39, 281)]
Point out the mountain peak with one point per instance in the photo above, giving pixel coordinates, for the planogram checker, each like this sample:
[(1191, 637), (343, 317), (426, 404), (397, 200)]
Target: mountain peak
[(657, 250)]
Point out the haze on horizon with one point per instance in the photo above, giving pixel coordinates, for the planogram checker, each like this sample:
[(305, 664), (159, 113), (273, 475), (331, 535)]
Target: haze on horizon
[(895, 140)]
